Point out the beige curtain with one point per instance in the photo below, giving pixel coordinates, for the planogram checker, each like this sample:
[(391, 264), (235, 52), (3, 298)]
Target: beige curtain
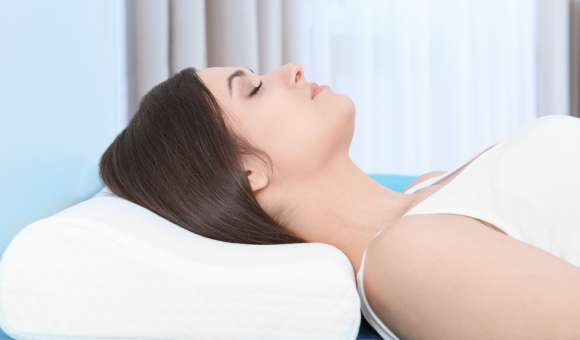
[(552, 57), (558, 57), (166, 36)]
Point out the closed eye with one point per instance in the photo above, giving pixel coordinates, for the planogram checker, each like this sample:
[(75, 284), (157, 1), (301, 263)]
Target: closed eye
[(256, 89)]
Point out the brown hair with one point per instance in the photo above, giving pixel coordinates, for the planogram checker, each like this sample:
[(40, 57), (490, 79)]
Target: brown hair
[(178, 158)]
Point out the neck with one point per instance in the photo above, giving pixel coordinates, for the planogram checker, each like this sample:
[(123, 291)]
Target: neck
[(345, 208)]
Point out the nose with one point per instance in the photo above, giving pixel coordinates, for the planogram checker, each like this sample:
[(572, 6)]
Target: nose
[(297, 73), (292, 74)]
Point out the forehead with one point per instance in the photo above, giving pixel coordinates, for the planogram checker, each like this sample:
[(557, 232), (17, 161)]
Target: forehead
[(214, 73), (216, 79)]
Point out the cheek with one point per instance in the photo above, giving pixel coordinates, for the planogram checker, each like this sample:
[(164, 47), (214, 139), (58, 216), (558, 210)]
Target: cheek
[(285, 132), (303, 137), (331, 127)]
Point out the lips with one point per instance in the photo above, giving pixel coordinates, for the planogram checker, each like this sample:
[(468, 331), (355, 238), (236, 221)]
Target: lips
[(320, 89), (312, 86), (315, 89)]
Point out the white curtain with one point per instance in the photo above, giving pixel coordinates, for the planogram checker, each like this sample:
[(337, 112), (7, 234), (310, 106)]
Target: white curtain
[(434, 81)]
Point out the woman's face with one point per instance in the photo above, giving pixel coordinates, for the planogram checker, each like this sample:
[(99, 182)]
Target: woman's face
[(302, 135)]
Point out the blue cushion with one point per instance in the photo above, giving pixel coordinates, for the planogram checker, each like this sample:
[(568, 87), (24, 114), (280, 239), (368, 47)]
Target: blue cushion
[(394, 182)]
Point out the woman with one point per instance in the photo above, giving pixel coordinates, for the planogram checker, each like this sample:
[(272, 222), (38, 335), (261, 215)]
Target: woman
[(238, 157)]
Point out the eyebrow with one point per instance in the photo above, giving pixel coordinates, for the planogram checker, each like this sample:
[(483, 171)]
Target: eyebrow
[(238, 73)]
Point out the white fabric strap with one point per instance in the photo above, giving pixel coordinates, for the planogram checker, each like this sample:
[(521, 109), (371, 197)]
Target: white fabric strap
[(425, 183)]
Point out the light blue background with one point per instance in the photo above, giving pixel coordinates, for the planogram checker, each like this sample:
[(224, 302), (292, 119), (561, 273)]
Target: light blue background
[(57, 106)]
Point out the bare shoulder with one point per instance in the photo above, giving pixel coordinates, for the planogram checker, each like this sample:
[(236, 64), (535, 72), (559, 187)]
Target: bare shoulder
[(424, 177), (445, 276)]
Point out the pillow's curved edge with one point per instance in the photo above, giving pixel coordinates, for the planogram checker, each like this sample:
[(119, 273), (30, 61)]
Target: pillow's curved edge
[(3, 321)]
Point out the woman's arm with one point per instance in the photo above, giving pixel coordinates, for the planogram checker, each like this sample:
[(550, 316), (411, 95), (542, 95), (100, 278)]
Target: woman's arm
[(446, 277)]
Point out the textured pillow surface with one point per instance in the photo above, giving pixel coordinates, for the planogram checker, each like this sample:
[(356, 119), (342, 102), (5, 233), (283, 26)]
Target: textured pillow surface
[(110, 269)]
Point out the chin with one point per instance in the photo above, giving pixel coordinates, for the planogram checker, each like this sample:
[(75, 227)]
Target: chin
[(346, 114), (346, 102), (348, 108)]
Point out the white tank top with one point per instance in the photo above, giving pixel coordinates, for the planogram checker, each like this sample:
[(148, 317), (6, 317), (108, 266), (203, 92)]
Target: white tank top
[(527, 185)]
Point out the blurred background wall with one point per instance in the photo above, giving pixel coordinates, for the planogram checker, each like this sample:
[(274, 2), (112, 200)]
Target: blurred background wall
[(63, 99)]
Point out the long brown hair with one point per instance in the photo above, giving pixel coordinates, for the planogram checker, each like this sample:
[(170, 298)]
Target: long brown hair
[(179, 158)]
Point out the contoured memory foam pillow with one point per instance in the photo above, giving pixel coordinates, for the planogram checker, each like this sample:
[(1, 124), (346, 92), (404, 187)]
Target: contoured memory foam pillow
[(107, 268)]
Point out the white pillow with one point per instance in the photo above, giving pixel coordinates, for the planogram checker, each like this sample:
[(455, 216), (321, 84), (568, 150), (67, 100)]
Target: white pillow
[(107, 268)]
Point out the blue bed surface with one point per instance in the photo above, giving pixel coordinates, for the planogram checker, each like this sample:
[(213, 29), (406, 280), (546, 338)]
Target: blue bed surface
[(394, 182), (366, 332)]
